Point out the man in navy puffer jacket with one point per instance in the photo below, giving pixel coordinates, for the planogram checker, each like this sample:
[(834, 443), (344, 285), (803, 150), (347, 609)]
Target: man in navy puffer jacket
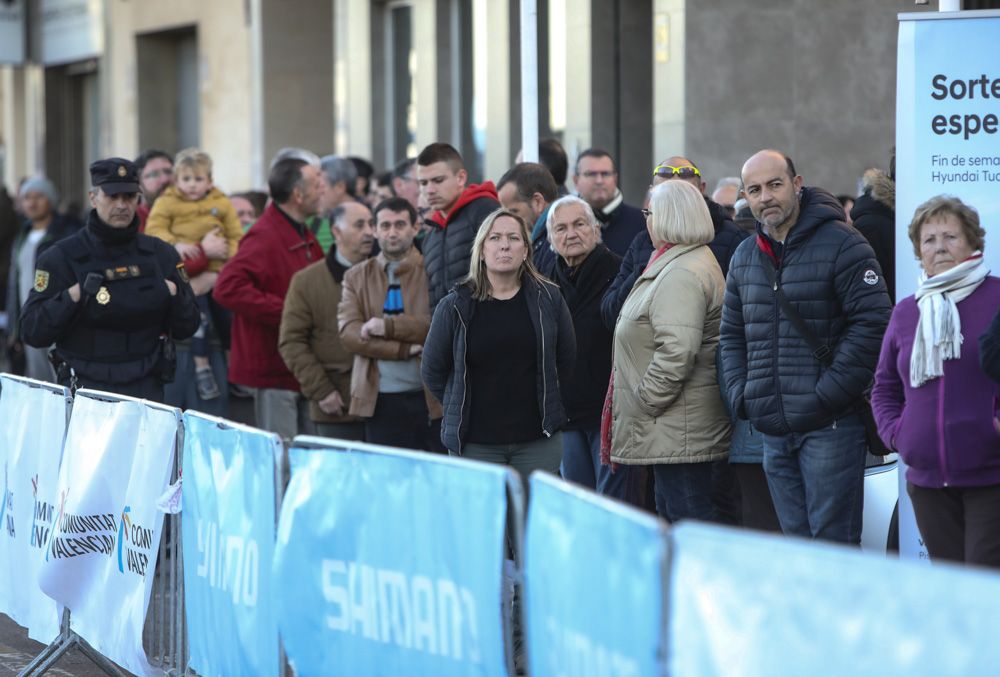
[(814, 437)]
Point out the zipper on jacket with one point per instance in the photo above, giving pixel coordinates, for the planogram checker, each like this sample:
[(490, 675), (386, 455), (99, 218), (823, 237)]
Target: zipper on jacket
[(774, 351), (465, 385), (940, 422), (545, 386)]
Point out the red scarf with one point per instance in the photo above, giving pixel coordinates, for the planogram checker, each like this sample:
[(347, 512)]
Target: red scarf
[(606, 417)]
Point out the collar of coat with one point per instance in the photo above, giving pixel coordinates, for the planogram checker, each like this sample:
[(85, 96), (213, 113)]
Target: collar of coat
[(412, 259), (666, 258)]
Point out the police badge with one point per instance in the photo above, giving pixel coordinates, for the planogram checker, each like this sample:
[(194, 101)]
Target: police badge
[(41, 280)]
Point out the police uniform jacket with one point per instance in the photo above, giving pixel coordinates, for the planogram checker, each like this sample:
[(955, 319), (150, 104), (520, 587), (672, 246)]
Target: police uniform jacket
[(111, 336)]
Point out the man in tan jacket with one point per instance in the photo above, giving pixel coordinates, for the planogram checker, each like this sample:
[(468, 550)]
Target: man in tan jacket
[(309, 341), (384, 317)]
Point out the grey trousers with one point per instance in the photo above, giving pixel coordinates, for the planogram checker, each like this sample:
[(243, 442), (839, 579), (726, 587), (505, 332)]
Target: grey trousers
[(541, 454), (284, 412)]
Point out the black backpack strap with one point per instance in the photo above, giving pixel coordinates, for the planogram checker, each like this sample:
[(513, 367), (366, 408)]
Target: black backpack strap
[(821, 351)]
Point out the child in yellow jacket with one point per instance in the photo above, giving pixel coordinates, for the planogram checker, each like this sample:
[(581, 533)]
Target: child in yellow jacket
[(183, 215)]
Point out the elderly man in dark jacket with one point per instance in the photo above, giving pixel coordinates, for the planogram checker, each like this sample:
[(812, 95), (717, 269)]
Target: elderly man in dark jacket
[(583, 270), (806, 272)]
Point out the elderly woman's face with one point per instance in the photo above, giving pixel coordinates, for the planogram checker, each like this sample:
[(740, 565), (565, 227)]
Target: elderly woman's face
[(573, 235), (943, 244)]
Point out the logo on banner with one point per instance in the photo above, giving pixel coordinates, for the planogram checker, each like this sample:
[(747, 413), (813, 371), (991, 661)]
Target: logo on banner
[(7, 509), (435, 616), (76, 535), (134, 544), (42, 517)]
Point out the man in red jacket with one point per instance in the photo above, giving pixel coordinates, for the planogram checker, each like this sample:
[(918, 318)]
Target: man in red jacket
[(253, 285)]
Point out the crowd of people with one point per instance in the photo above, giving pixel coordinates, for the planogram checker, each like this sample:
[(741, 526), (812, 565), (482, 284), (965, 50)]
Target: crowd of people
[(731, 358)]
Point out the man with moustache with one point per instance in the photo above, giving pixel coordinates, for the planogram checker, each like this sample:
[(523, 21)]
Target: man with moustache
[(110, 298)]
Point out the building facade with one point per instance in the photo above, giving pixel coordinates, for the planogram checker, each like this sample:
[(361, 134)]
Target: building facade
[(380, 79)]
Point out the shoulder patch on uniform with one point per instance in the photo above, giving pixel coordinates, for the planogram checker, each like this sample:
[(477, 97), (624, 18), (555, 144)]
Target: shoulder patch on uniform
[(871, 277), (182, 271), (41, 280)]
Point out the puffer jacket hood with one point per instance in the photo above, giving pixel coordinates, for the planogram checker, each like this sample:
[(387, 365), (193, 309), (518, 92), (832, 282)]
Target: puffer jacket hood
[(472, 192)]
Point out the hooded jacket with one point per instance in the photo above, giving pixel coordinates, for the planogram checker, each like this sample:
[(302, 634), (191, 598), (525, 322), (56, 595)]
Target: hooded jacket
[(829, 274), (444, 358), (666, 406), (447, 248), (874, 215)]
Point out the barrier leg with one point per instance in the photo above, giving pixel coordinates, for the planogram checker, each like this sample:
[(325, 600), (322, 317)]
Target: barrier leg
[(66, 640)]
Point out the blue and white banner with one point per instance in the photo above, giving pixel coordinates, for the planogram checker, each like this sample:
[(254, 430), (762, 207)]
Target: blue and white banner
[(228, 524), (390, 564), (32, 430), (101, 554), (743, 603), (947, 125), (594, 576)]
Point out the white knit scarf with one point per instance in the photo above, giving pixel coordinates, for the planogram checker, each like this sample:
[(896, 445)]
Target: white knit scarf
[(939, 330)]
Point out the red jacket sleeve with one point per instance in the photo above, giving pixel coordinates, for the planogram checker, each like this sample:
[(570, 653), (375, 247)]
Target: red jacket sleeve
[(242, 284), (197, 265)]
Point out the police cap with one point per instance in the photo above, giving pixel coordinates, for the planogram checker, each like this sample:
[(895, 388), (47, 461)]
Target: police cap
[(115, 175)]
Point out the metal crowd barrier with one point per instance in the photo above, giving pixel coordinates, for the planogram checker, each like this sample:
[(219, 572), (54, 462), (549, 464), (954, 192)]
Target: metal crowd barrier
[(164, 636)]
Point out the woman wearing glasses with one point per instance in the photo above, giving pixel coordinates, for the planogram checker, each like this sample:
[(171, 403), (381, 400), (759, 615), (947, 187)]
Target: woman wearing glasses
[(725, 238), (666, 410), (500, 345)]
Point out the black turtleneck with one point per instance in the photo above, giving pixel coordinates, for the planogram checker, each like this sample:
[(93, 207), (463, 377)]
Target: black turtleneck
[(109, 234), (299, 227)]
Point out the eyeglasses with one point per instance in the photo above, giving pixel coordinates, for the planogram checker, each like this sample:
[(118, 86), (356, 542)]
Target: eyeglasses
[(646, 213), (594, 175), (668, 172)]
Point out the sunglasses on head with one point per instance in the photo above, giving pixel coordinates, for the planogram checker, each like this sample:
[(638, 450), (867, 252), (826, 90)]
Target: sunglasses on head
[(668, 172)]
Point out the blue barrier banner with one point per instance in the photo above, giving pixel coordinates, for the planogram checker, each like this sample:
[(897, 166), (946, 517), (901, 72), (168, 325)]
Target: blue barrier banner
[(754, 604), (228, 526), (594, 572), (390, 564)]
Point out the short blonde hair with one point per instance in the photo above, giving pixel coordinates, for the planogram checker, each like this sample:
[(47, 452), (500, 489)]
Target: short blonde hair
[(192, 158), (477, 279), (679, 214), (940, 206)]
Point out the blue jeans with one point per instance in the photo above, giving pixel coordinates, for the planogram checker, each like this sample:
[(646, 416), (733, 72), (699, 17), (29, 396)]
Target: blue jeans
[(581, 464), (817, 480), (684, 491)]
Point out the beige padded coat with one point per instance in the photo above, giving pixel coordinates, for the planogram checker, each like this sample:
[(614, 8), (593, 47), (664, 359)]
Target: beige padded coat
[(666, 406)]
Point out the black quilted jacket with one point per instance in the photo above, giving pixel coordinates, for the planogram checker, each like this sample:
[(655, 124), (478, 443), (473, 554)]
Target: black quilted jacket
[(829, 273)]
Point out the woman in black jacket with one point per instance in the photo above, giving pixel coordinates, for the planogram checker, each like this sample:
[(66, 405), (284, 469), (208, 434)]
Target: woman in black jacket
[(500, 346)]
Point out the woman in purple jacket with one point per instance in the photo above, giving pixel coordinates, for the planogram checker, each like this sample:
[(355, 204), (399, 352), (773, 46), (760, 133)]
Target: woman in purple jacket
[(932, 401)]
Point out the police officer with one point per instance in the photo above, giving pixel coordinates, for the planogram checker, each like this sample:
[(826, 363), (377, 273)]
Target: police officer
[(110, 298)]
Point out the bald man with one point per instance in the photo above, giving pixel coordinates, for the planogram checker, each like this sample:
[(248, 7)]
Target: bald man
[(802, 325)]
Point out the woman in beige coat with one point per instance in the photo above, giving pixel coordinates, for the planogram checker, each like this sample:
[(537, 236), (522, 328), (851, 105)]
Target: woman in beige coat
[(666, 409)]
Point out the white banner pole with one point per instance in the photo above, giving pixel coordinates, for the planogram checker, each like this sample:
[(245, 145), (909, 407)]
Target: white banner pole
[(529, 80)]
